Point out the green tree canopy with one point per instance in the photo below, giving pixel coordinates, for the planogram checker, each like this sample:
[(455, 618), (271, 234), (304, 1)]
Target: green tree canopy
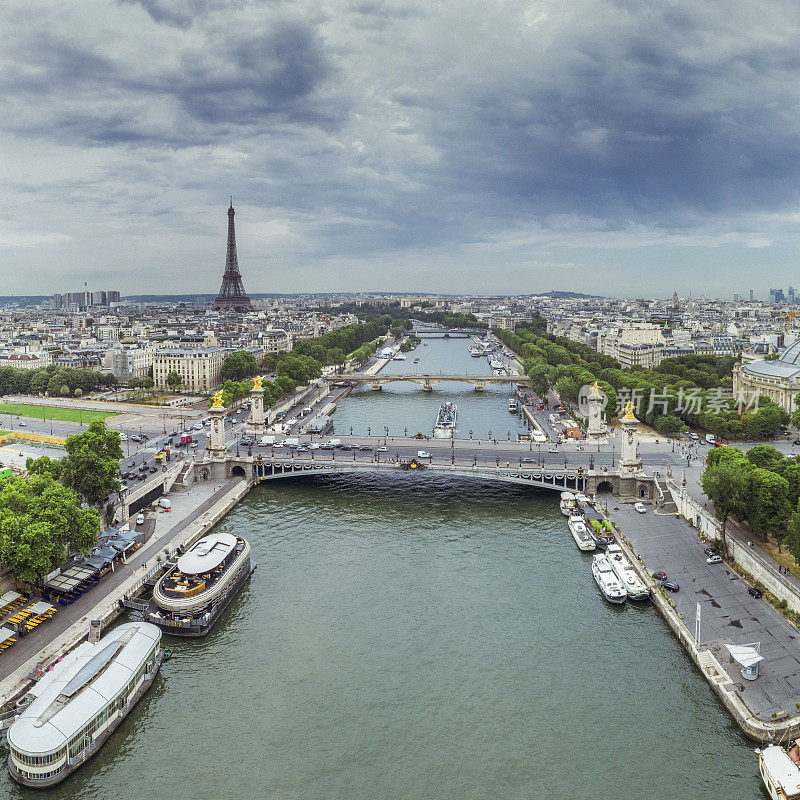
[(768, 503), (173, 380), (39, 520), (91, 466), (238, 366)]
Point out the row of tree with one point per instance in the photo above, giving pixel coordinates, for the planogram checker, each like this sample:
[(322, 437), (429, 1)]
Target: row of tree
[(682, 391), (54, 381), (43, 517), (760, 487)]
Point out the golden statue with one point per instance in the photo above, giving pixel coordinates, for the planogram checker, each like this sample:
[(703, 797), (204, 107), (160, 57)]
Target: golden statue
[(257, 383), (629, 411), (217, 399), (596, 391)]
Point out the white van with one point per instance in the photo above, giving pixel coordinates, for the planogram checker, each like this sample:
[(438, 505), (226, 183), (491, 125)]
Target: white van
[(264, 441), (711, 439), (291, 441), (164, 503), (693, 435), (335, 442)]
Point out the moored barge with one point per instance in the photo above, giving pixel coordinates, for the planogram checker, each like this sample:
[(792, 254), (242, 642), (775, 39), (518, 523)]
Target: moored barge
[(78, 704), (189, 598)]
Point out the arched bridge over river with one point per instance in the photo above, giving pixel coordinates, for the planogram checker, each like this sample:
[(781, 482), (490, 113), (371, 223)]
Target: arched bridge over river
[(428, 381)]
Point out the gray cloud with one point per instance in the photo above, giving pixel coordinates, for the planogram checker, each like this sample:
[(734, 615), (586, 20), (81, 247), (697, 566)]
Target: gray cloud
[(382, 132)]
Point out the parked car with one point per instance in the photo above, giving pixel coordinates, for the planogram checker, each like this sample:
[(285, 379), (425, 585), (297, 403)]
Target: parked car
[(713, 560), (423, 454), (796, 441), (552, 449), (641, 508), (753, 592), (660, 576), (710, 551), (693, 435), (670, 586), (140, 519)]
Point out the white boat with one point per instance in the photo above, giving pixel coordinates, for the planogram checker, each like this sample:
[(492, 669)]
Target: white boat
[(474, 352), (567, 503), (80, 702), (446, 421), (606, 580), (780, 770), (495, 364), (416, 361), (630, 581), (580, 533), (513, 406), (399, 357)]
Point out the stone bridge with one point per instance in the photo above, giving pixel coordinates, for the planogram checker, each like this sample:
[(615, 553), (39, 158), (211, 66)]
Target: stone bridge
[(428, 381)]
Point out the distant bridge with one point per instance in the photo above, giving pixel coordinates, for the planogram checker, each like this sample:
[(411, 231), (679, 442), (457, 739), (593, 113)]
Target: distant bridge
[(448, 333), (428, 381)]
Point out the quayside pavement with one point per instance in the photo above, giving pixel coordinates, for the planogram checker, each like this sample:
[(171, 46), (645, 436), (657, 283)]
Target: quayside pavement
[(729, 615), (195, 511)]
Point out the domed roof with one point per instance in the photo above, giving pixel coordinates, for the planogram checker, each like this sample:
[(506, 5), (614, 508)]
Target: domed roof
[(791, 355)]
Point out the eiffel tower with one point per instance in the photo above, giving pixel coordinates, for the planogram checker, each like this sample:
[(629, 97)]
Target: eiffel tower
[(232, 294)]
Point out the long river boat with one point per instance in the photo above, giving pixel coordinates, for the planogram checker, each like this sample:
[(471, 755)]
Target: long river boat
[(189, 598), (78, 704)]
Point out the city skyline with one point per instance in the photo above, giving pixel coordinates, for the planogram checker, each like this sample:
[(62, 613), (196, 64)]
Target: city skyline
[(580, 146)]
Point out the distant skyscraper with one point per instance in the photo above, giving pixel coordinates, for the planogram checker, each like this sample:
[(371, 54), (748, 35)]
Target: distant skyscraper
[(232, 294), (776, 295), (790, 295), (751, 296), (736, 297)]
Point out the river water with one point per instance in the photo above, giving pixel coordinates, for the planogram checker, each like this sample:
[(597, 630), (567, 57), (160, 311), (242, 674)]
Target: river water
[(420, 639)]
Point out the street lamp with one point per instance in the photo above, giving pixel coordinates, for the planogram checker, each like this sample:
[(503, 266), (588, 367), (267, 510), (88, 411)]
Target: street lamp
[(405, 432), (539, 454), (351, 430), (613, 450), (470, 434), (369, 432), (508, 435)]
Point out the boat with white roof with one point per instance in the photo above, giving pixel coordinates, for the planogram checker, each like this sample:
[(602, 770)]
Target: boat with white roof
[(81, 701), (634, 588), (567, 503), (580, 533), (189, 598), (607, 580), (780, 770)]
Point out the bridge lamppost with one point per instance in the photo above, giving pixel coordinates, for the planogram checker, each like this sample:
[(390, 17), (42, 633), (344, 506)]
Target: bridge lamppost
[(539, 454), (386, 431), (565, 462), (508, 435), (369, 432), (490, 436), (405, 432), (470, 434), (613, 450), (351, 430)]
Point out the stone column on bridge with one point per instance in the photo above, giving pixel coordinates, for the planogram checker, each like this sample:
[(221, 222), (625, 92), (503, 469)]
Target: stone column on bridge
[(215, 444), (255, 423), (630, 462), (596, 431)]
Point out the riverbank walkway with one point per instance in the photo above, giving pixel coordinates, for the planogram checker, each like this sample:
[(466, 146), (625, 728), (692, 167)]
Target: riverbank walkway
[(186, 509), (729, 615)]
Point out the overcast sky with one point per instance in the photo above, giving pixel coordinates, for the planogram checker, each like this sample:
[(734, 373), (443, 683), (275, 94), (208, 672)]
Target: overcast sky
[(621, 147)]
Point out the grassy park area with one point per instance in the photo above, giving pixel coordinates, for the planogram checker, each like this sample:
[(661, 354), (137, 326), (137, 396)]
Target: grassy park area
[(54, 412)]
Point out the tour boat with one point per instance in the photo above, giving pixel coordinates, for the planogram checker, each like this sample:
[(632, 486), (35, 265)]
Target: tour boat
[(513, 406), (606, 580), (399, 357), (80, 702), (446, 421), (474, 352), (190, 597), (580, 533), (780, 770), (567, 503), (416, 361), (634, 588)]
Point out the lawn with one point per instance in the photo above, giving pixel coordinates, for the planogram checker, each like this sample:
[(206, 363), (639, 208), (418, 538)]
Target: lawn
[(53, 412)]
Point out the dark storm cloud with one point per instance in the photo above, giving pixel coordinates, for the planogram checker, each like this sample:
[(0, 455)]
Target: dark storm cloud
[(362, 128)]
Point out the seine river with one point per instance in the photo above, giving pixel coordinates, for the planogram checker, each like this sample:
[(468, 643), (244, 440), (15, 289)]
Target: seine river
[(420, 639)]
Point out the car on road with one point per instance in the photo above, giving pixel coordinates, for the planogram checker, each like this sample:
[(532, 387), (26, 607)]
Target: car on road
[(423, 454), (715, 559), (640, 507), (123, 437), (660, 575), (528, 460), (140, 519), (246, 441), (313, 445), (22, 424), (381, 449), (154, 468), (143, 468), (753, 592), (670, 586), (345, 447), (693, 435), (365, 448), (796, 441), (552, 449), (302, 449), (197, 427), (141, 476)]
